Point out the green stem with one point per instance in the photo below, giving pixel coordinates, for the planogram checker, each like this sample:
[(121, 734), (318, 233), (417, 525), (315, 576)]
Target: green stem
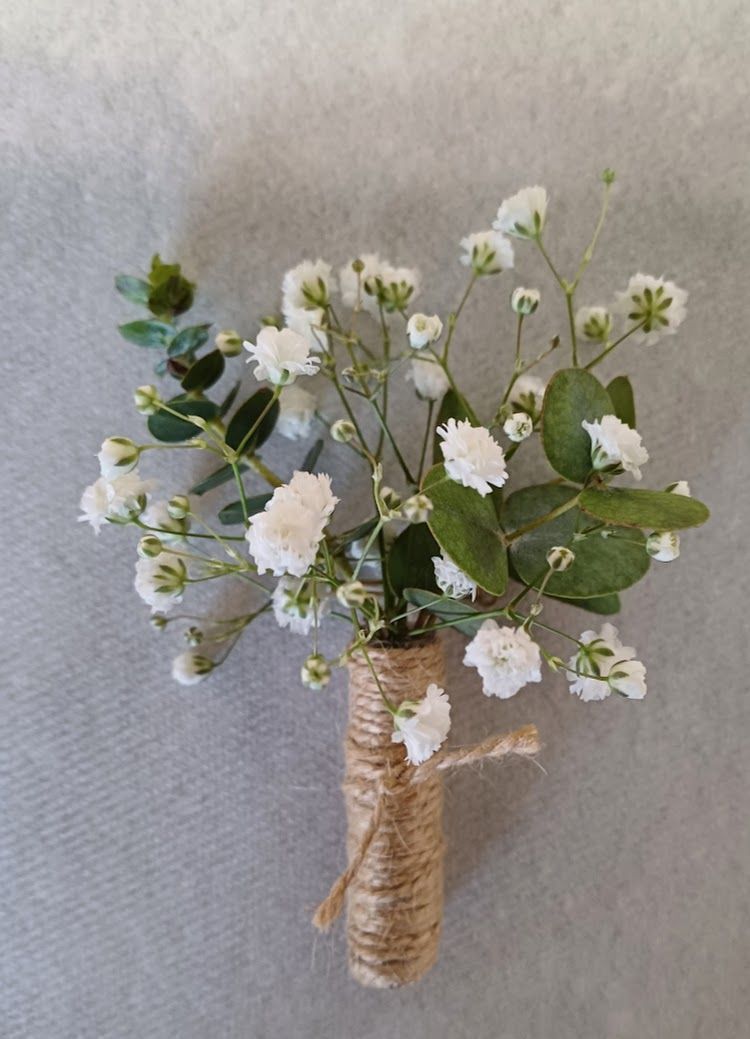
[(572, 324), (541, 520), (262, 470), (255, 426), (241, 489), (425, 441), (610, 348), (386, 358), (453, 318), (588, 254)]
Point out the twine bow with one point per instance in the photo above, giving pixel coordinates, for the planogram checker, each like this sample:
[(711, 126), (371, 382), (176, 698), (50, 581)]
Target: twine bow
[(523, 742)]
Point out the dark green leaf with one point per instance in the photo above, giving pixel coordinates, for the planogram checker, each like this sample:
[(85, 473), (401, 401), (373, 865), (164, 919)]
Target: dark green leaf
[(602, 564), (246, 417), (604, 605), (620, 393), (160, 271), (311, 458), (232, 513), (229, 400), (205, 372), (466, 527), (657, 510), (410, 559), (460, 615), (451, 406), (362, 530), (572, 396), (133, 289), (170, 429), (146, 333), (222, 475), (188, 340), (171, 297)]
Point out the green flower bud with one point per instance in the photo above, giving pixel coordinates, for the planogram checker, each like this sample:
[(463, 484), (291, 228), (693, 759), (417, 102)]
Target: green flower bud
[(146, 400), (149, 547), (316, 672), (178, 507), (343, 431), (229, 343)]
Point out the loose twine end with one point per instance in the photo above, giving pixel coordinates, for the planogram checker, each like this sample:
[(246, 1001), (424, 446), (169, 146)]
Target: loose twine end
[(524, 742)]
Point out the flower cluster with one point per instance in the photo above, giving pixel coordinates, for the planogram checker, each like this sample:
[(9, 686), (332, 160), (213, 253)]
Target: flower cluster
[(437, 541)]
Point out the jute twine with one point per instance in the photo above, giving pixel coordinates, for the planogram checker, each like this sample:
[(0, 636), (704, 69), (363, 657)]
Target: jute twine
[(393, 884)]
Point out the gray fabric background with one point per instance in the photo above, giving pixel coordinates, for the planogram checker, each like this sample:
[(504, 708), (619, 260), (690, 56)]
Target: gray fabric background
[(161, 847)]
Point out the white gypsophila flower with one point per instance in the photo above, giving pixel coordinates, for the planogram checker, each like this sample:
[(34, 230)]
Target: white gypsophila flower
[(117, 456), (285, 537), (664, 545), (417, 509), (487, 252), (599, 654), (472, 457), (395, 287), (280, 355), (615, 447), (519, 426), (628, 678), (657, 305), (351, 282), (228, 342), (423, 725), (423, 329), (429, 378), (309, 324), (594, 323), (315, 672), (191, 668), (682, 487), (524, 301), (169, 529), (560, 558), (160, 582), (117, 501), (527, 394), (296, 412), (298, 605), (451, 580), (523, 214), (506, 658), (308, 285)]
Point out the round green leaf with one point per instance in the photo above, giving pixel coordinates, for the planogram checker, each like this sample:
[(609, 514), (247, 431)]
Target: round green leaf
[(620, 393), (205, 372), (602, 565), (410, 559), (572, 395), (466, 527), (170, 429), (604, 605), (655, 510)]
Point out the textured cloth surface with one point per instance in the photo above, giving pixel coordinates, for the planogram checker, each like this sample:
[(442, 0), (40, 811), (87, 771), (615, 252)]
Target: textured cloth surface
[(162, 848)]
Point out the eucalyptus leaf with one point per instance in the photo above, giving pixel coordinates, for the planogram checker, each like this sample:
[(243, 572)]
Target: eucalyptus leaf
[(466, 527), (170, 429), (133, 289), (460, 615), (245, 418), (222, 475), (232, 514), (410, 559), (146, 333), (188, 340), (229, 400), (572, 395), (604, 605), (205, 372), (602, 565), (654, 510), (620, 391), (311, 458)]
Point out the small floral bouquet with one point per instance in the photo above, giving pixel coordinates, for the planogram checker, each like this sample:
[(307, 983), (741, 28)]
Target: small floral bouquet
[(438, 542)]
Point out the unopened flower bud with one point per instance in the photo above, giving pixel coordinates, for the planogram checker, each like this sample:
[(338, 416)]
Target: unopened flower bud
[(178, 507), (525, 301), (117, 456), (535, 609), (560, 558), (357, 266), (343, 430), (423, 329), (663, 546), (682, 487), (594, 323), (158, 621), (146, 400), (149, 547), (229, 343), (193, 636), (390, 501), (518, 427), (417, 508), (352, 595), (190, 668), (316, 671)]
